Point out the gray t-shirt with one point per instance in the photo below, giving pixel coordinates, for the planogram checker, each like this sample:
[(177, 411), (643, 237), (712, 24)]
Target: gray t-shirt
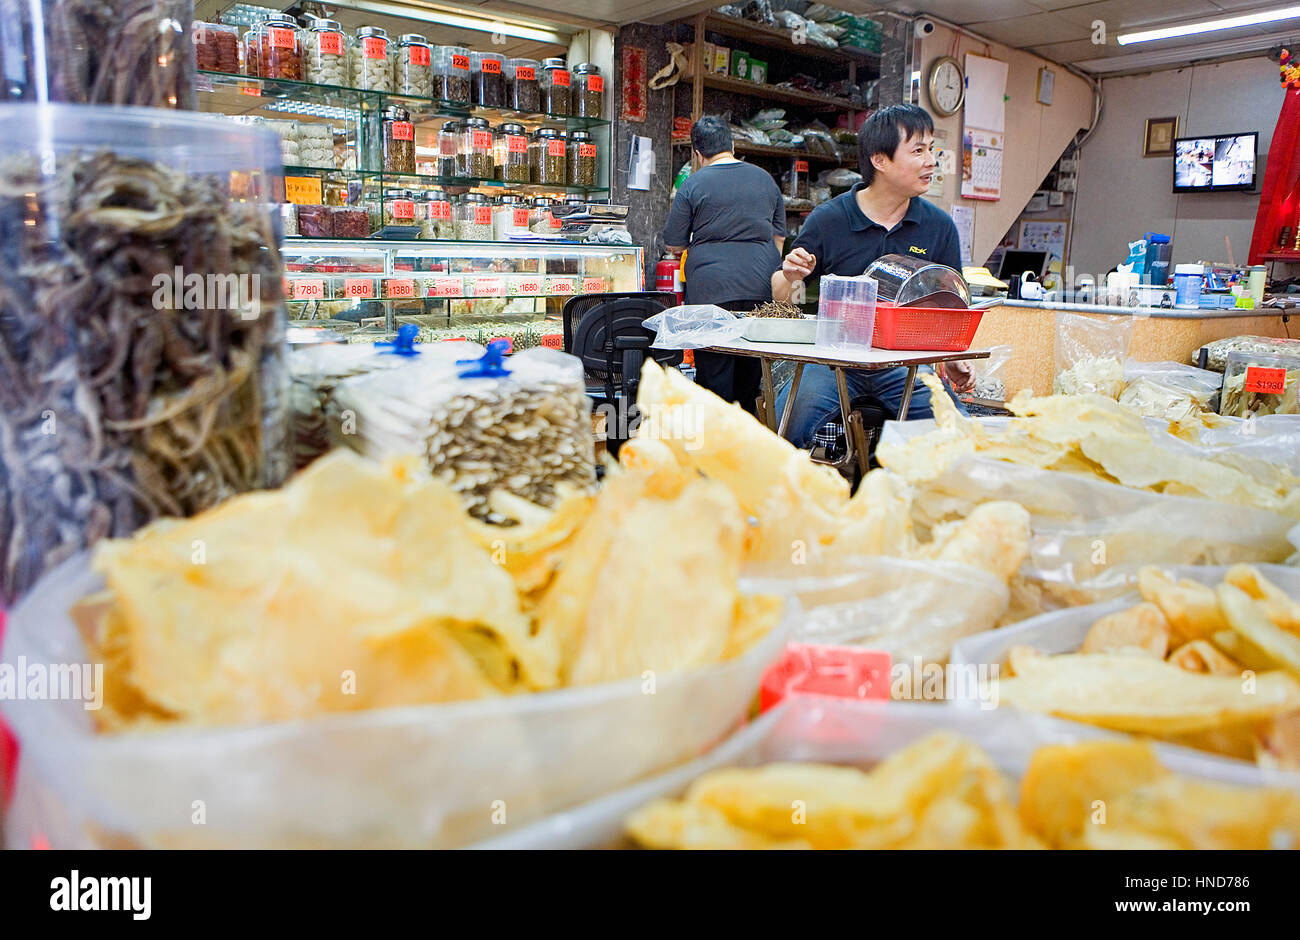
[(728, 215)]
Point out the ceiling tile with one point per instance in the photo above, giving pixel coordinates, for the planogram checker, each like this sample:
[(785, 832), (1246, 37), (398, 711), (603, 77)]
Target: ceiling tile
[(965, 12), (1138, 14), (1030, 30), (1074, 50)]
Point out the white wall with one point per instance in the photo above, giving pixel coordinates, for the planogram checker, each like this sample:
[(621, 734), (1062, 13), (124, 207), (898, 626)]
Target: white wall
[(1122, 194)]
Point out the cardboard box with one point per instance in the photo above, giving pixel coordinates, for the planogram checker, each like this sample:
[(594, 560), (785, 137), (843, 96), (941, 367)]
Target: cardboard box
[(757, 71), (739, 64), (721, 60)]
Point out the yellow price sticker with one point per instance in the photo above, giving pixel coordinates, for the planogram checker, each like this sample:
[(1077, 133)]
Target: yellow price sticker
[(303, 190)]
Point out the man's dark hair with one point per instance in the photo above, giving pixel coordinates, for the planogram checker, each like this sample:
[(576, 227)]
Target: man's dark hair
[(711, 135), (885, 130)]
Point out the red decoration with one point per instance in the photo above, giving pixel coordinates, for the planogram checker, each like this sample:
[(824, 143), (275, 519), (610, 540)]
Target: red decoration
[(634, 84), (1279, 200)]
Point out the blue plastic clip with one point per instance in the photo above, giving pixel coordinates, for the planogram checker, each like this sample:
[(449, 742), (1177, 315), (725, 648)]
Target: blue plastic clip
[(490, 366), (404, 344)]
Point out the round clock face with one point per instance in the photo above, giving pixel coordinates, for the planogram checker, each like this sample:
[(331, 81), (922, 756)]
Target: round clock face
[(947, 87)]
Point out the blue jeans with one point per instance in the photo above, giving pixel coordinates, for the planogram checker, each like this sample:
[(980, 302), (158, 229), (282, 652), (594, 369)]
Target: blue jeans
[(819, 400)]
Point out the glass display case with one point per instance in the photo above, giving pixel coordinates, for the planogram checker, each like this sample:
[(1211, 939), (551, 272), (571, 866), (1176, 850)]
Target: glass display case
[(478, 291)]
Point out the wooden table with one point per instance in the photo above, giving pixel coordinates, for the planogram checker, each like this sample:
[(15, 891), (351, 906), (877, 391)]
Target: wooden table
[(837, 359)]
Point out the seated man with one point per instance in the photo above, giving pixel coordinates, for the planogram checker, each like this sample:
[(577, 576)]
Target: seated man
[(884, 214)]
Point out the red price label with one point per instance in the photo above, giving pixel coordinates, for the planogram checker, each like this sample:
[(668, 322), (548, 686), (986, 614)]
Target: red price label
[(530, 287), (460, 62), (448, 287), (403, 130), (358, 287), (482, 140), (403, 209), (374, 47), (519, 218), (510, 343), (251, 91), (399, 288), (282, 38), (491, 66), (555, 148), (561, 287), (1265, 380), (586, 150), (482, 215), (308, 290), (331, 43), (801, 166), (556, 223), (560, 77), (419, 55), (593, 285), (489, 287), (525, 73), (516, 144), (440, 210), (596, 82)]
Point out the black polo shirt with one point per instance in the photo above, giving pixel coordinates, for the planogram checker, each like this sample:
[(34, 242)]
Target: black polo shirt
[(845, 242)]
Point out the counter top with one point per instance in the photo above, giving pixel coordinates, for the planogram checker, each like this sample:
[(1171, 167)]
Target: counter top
[(1158, 312)]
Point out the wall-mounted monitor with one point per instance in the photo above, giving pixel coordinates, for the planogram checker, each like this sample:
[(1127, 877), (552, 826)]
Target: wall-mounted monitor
[(1223, 163)]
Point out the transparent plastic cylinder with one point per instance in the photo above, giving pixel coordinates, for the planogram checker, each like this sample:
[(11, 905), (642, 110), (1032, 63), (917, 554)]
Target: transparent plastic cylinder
[(846, 312)]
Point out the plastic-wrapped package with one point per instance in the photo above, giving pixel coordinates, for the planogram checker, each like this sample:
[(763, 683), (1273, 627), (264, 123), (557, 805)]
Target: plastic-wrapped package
[(415, 777), (119, 52), (523, 427), (1216, 353), (1169, 390), (694, 326), (988, 374), (1259, 384), (846, 311), (1090, 354)]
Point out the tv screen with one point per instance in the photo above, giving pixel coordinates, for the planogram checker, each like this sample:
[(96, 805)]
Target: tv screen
[(1220, 164)]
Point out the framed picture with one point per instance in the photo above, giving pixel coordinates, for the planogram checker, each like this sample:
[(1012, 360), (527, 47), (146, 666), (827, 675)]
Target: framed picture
[(1160, 134), (1056, 198), (1046, 83)]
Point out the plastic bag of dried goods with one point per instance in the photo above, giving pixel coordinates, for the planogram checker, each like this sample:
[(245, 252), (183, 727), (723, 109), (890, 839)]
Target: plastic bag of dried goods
[(1090, 354)]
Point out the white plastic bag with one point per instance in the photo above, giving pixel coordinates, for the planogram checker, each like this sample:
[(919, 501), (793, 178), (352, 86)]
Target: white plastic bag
[(1090, 354), (694, 326), (422, 776), (1169, 390)]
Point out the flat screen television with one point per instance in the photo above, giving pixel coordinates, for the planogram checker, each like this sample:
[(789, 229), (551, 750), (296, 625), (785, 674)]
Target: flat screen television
[(1223, 163)]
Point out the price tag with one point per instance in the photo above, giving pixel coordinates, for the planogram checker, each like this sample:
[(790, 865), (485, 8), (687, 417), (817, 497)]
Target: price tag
[(403, 209), (482, 140), (555, 148), (560, 77), (1265, 380), (358, 287), (440, 210), (519, 218), (516, 144), (282, 38), (313, 289), (489, 287), (460, 62), (525, 73), (403, 130), (331, 43), (286, 288), (251, 90), (555, 222), (448, 287), (419, 55), (482, 215), (374, 47), (529, 285), (801, 166), (596, 82), (303, 190), (491, 66), (399, 288), (593, 285), (510, 343), (562, 285), (586, 150)]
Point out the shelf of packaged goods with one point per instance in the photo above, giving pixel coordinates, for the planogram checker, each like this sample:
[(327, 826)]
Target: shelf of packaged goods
[(782, 40), (446, 182), (242, 95), (317, 288), (790, 95)]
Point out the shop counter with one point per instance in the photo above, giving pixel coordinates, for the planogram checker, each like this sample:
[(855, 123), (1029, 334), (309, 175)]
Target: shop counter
[(1159, 334)]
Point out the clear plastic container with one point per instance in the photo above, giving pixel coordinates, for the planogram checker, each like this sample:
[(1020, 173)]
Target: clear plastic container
[(581, 158), (846, 312), (548, 157), (277, 53), (1258, 384), (325, 54), (587, 91), (512, 153), (522, 86), (509, 216), (476, 149), (316, 221), (555, 87), (487, 80), (902, 279), (136, 437), (413, 67), (351, 222), (474, 218), (216, 47), (451, 74), (371, 57)]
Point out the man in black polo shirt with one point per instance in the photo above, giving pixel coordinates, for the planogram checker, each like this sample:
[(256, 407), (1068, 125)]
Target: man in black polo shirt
[(884, 214)]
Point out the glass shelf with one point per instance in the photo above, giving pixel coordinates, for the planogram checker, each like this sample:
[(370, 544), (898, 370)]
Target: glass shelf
[(463, 182)]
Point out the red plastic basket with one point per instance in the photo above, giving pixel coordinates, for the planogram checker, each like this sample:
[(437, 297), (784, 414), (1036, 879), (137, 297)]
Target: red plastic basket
[(940, 329)]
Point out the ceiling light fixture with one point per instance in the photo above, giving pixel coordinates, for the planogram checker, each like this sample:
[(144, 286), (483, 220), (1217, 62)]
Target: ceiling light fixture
[(1207, 26), (443, 16)]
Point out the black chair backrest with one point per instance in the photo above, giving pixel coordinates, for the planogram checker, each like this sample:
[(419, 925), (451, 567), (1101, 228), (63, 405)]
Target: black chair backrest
[(592, 323)]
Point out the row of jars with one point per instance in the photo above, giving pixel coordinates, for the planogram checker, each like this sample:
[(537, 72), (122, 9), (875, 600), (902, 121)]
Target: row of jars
[(469, 217), (473, 148), (408, 65)]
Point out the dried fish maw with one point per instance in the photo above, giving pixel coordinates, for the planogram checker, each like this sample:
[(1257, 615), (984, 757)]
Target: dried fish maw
[(670, 824), (1199, 814), (1249, 618), (878, 519), (993, 538), (1143, 695), (1192, 609), (1278, 742), (756, 616), (533, 551), (1204, 656), (928, 456), (1276, 603), (1142, 627)]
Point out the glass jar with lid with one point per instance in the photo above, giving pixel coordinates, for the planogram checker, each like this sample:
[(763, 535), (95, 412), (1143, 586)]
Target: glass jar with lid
[(399, 207), (441, 221), (476, 148), (413, 66), (510, 214), (216, 47), (451, 74), (399, 140), (274, 48), (372, 60), (448, 161), (521, 86), (486, 79), (548, 157), (587, 91), (513, 150), (554, 87), (541, 221), (474, 218), (581, 159), (325, 54)]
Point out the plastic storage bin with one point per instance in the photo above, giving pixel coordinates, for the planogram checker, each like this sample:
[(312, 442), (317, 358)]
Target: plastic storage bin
[(846, 312), (940, 329)]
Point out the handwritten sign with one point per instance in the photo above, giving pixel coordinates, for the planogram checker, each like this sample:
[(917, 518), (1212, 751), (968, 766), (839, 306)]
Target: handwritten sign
[(303, 190)]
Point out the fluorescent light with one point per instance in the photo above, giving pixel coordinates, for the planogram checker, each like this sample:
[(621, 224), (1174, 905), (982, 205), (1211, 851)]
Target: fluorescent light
[(443, 16), (1180, 55), (1206, 26)]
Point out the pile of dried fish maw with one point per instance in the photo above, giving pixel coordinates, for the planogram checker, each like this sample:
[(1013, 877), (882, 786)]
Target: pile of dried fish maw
[(113, 412)]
